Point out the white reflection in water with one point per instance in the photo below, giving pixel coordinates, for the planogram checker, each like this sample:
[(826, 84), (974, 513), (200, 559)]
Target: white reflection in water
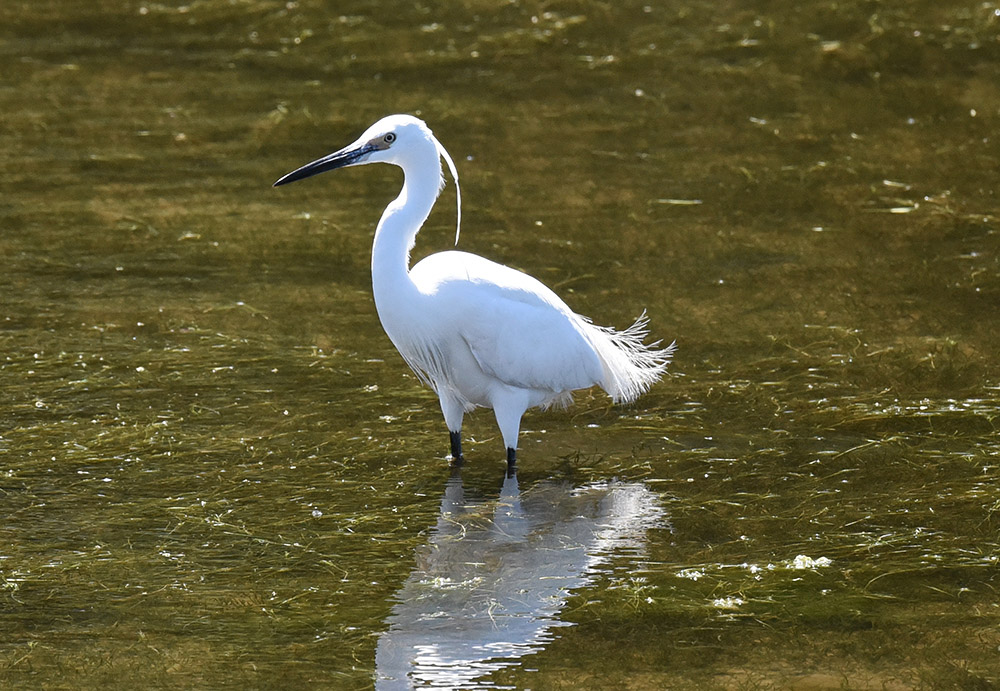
[(490, 583)]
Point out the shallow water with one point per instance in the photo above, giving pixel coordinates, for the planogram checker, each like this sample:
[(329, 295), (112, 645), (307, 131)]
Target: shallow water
[(216, 470)]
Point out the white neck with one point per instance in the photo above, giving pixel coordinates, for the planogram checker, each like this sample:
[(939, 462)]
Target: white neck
[(396, 233)]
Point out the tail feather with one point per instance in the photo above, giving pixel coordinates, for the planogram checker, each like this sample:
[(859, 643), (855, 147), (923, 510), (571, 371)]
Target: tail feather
[(630, 365)]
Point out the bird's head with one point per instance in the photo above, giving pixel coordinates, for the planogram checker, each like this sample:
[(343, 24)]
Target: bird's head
[(402, 140)]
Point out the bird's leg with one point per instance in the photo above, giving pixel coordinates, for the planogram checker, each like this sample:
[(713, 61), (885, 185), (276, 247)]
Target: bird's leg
[(511, 461), (508, 407), (453, 413), (456, 447)]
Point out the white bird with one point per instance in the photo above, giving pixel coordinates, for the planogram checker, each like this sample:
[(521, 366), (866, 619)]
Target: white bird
[(480, 334)]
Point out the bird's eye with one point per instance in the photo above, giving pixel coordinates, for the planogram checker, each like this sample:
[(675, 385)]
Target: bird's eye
[(389, 138)]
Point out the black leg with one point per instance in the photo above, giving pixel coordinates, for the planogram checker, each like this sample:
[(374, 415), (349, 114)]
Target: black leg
[(456, 447), (511, 460)]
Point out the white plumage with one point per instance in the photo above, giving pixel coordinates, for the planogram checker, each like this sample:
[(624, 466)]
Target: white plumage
[(479, 333)]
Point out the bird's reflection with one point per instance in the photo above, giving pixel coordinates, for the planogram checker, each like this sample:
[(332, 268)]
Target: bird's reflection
[(490, 584)]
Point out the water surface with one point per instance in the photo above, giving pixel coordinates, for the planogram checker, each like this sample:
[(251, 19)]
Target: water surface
[(215, 469)]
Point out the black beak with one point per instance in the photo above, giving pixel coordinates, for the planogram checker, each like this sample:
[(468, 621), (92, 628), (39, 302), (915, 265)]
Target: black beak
[(338, 159)]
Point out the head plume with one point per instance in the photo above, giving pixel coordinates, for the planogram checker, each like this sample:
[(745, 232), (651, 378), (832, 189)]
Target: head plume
[(458, 190)]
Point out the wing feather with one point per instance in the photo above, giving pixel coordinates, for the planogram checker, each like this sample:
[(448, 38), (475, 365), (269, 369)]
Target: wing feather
[(518, 330)]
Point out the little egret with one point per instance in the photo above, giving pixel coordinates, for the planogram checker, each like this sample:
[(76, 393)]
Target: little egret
[(478, 333)]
